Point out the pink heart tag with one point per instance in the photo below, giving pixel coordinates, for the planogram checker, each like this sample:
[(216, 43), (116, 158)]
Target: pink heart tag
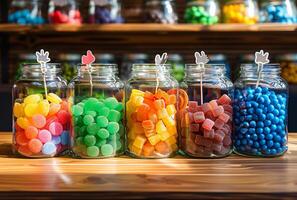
[(88, 59)]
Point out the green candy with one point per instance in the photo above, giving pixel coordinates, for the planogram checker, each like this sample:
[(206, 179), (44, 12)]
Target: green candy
[(106, 150), (77, 120), (119, 107), (103, 133), (103, 111), (92, 129), (92, 113), (102, 121), (77, 110), (81, 104), (122, 130), (113, 127), (111, 102), (79, 141), (83, 131), (98, 106), (90, 104), (114, 116), (118, 145), (88, 119), (76, 130), (93, 151), (90, 140), (100, 142)]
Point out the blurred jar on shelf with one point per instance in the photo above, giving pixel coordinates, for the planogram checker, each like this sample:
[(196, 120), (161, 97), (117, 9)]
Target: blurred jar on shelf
[(160, 11), (64, 12), (105, 12), (69, 62), (278, 11), (22, 59), (128, 61), (241, 11), (206, 12), (221, 59), (177, 63), (25, 12), (289, 67)]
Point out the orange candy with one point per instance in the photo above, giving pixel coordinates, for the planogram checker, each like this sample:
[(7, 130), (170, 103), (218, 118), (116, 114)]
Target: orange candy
[(148, 149), (159, 104), (162, 148), (142, 112), (31, 132), (148, 124), (24, 150), (35, 146), (21, 138)]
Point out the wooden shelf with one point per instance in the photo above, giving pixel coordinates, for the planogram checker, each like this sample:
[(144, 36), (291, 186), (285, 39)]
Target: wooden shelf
[(174, 178)]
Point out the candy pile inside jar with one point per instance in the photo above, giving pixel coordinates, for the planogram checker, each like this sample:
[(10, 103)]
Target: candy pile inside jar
[(260, 121), (41, 125), (98, 127), (151, 123), (245, 12), (206, 129), (64, 13)]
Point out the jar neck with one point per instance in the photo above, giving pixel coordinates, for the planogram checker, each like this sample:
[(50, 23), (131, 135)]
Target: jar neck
[(150, 71), (268, 71), (33, 71), (208, 71), (98, 71)]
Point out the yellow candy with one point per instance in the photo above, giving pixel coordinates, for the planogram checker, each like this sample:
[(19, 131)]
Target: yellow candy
[(137, 92), (172, 130), (43, 108), (53, 98), (23, 122), (30, 109), (154, 139), (168, 121), (54, 108), (164, 135), (18, 110), (162, 113), (160, 127), (136, 150), (34, 98), (171, 140), (137, 100), (139, 141), (171, 110)]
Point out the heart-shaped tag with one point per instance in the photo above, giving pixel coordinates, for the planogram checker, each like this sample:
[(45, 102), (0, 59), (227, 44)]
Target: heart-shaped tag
[(88, 59)]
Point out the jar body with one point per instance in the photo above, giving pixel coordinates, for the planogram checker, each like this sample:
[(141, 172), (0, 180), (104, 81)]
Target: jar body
[(163, 12), (64, 12), (289, 68), (151, 113), (241, 11), (260, 113), (206, 126), (279, 11), (97, 117), (205, 12), (25, 12), (104, 12), (40, 122)]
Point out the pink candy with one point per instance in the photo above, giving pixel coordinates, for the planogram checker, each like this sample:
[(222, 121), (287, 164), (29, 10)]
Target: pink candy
[(206, 107), (223, 100), (219, 123), (199, 117), (56, 128), (44, 136), (217, 111), (194, 127), (208, 124), (193, 105)]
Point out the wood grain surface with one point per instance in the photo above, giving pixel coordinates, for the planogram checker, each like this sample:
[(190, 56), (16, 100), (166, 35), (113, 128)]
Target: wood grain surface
[(124, 177)]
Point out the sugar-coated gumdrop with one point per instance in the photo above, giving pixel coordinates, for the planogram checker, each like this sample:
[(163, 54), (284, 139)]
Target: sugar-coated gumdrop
[(89, 140), (54, 108), (49, 148), (30, 109), (23, 122), (63, 116), (35, 146), (224, 117), (77, 110), (114, 116), (223, 100), (88, 119), (38, 121), (208, 124), (219, 123), (18, 110), (24, 150), (93, 151), (43, 108), (44, 136), (32, 99), (31, 132), (193, 105), (56, 128), (217, 111), (107, 150), (103, 133), (102, 121), (113, 127), (198, 117), (53, 98), (111, 102)]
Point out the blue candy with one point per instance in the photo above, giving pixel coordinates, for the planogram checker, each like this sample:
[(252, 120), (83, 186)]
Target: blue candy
[(279, 13), (49, 148), (65, 138), (25, 17)]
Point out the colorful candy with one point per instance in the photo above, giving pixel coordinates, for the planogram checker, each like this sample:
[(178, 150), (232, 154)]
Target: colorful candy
[(206, 129), (64, 13), (39, 125), (260, 121), (151, 128), (104, 13), (25, 17), (98, 128), (196, 13)]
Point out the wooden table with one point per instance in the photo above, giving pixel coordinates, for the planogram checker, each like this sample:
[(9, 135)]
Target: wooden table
[(175, 178)]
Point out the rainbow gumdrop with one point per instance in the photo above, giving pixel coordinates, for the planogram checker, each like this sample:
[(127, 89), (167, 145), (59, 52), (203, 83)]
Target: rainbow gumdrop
[(39, 122)]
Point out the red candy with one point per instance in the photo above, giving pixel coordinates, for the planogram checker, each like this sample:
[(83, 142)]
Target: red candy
[(199, 117), (225, 99), (63, 116), (208, 124)]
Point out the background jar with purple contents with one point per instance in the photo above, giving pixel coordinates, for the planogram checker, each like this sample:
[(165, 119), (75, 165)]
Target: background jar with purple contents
[(206, 119)]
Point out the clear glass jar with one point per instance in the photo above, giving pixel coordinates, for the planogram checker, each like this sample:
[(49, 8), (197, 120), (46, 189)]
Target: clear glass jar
[(128, 61), (64, 12), (177, 63), (260, 113), (241, 11), (160, 11), (105, 12), (97, 115), (205, 12), (289, 67), (151, 112), (279, 11), (40, 122), (25, 12), (206, 126), (68, 62)]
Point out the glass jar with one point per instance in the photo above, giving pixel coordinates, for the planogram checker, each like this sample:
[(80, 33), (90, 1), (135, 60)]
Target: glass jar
[(160, 11), (97, 112), (289, 67), (25, 12), (241, 11), (206, 126), (205, 12), (151, 112), (68, 62), (128, 61), (40, 122), (279, 11), (64, 12), (260, 113), (104, 12), (177, 63)]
